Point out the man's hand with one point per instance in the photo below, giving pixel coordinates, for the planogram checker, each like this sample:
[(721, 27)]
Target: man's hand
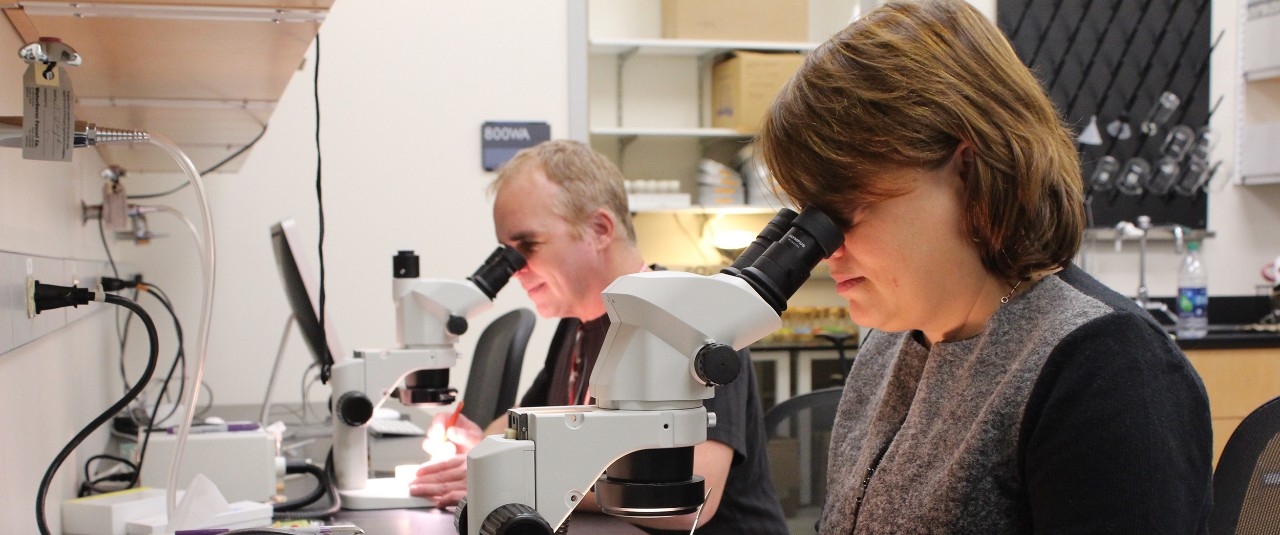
[(463, 435), (443, 479), (444, 482)]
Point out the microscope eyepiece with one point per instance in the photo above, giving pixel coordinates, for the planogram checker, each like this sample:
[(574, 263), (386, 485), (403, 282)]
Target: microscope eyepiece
[(504, 262), (785, 265), (772, 232), (404, 265)]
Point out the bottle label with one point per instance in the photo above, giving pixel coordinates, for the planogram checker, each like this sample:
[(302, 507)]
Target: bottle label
[(1192, 302)]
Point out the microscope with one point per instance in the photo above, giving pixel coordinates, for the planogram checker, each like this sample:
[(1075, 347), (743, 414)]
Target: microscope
[(430, 315), (672, 337)]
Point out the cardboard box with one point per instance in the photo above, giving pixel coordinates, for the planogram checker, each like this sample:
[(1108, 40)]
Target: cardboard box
[(745, 84), (736, 20)]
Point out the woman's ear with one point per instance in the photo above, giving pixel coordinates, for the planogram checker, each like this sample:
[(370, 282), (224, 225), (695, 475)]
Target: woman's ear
[(964, 157)]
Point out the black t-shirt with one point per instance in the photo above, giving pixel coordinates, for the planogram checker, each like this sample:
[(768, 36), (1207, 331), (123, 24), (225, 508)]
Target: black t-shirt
[(749, 503)]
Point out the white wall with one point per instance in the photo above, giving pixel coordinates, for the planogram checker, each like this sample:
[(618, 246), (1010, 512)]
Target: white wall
[(404, 87), (52, 386)]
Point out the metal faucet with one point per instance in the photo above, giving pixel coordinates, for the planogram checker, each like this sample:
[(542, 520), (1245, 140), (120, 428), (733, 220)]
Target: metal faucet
[(1143, 227), (1179, 238)]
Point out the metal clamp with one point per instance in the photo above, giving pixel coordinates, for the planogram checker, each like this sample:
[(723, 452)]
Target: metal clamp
[(49, 51)]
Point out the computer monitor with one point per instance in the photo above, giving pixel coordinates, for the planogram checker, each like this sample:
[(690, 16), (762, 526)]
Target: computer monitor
[(299, 287)]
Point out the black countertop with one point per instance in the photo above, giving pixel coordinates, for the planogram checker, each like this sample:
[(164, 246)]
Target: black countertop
[(1234, 323)]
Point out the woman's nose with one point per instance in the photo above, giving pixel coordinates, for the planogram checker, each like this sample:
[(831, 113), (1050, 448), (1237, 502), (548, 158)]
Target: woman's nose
[(839, 253)]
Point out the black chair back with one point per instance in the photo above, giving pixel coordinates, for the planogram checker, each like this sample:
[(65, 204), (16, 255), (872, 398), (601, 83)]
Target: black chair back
[(799, 431), (495, 366), (1246, 483)]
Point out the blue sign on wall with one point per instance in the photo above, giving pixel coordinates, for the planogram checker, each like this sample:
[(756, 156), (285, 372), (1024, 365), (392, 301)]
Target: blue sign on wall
[(500, 141)]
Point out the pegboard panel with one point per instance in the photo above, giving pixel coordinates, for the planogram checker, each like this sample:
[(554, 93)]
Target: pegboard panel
[(1108, 65)]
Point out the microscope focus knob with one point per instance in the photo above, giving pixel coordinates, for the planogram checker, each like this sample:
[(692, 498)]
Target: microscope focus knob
[(456, 325), (355, 409), (717, 364), (515, 518)]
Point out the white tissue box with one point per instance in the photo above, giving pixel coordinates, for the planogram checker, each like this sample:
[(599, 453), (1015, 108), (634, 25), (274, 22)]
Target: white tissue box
[(107, 514), (244, 514)]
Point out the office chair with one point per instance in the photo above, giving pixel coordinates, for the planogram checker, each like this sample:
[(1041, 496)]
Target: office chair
[(799, 431), (1246, 483), (495, 366)]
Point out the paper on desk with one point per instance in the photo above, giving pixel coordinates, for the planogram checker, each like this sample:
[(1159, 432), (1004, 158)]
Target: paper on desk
[(200, 503)]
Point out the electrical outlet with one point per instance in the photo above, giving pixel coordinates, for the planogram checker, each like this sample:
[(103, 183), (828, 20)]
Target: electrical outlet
[(15, 303), (18, 272), (29, 296), (53, 271)]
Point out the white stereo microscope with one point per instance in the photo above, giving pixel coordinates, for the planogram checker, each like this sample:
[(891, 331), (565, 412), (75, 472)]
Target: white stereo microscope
[(430, 315), (672, 337)]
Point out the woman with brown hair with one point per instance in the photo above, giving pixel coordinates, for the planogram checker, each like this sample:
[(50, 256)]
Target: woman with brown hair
[(1003, 390)]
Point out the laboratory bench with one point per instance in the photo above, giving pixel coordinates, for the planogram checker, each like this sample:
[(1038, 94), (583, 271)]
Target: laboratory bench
[(311, 441)]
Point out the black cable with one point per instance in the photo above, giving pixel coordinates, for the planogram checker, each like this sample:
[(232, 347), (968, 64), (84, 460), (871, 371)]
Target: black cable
[(164, 387), (123, 336), (211, 169), (324, 334), (89, 485), (42, 493), (331, 484), (181, 355), (322, 486)]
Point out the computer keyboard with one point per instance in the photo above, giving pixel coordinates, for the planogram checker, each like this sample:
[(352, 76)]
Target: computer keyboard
[(395, 428)]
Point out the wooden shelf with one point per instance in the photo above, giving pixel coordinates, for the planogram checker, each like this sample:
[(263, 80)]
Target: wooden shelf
[(206, 77)]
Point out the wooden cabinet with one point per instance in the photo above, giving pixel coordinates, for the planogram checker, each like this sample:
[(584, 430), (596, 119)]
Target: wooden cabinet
[(205, 75), (1238, 381)]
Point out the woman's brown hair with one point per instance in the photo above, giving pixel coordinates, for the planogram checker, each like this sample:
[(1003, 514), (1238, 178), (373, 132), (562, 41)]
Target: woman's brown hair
[(903, 87)]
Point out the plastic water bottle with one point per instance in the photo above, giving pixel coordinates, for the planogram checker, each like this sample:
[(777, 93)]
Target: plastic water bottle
[(1193, 295)]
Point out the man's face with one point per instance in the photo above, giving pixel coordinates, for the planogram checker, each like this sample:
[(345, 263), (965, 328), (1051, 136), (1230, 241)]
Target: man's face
[(563, 265)]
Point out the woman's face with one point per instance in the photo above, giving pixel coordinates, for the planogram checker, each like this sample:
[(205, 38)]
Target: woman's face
[(907, 262)]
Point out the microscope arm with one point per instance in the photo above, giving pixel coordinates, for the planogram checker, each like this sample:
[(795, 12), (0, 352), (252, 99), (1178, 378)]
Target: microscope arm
[(575, 445), (430, 316), (663, 327), (672, 337), (362, 384)]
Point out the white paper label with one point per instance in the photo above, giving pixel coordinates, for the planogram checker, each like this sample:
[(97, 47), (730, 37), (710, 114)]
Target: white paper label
[(47, 116)]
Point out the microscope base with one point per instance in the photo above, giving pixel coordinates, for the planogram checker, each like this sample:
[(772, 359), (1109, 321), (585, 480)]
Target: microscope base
[(382, 493)]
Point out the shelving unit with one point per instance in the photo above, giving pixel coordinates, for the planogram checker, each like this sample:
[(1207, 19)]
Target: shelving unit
[(688, 47), (205, 76), (644, 101), (1258, 100)]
